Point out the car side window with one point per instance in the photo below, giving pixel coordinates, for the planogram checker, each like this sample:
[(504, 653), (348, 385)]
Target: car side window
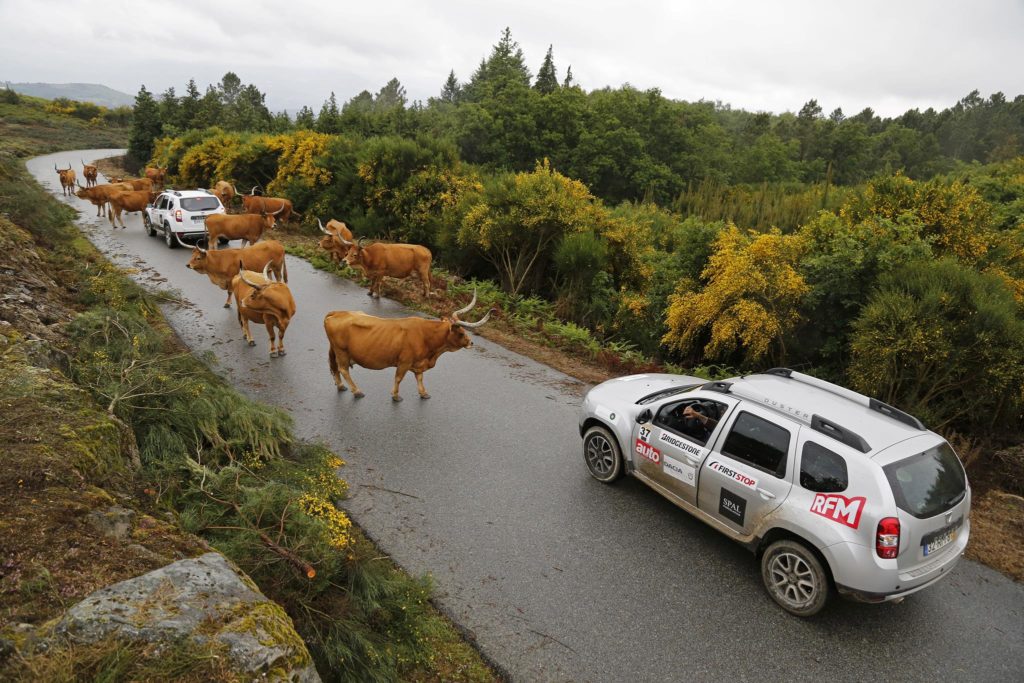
[(821, 470), (163, 203), (698, 429), (758, 443)]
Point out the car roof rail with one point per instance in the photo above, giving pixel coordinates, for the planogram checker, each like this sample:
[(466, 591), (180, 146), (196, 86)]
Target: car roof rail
[(861, 399), (840, 434), (720, 387)]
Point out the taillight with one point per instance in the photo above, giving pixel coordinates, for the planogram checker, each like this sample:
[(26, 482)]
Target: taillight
[(177, 215), (887, 539)]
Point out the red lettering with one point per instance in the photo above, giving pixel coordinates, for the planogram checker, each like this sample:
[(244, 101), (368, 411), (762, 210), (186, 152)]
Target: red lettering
[(839, 508), (648, 451)]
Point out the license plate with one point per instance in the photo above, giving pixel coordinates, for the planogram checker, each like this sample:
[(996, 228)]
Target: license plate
[(941, 541), (198, 218)]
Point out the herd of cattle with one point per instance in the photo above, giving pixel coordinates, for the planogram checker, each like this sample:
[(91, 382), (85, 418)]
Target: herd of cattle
[(256, 276)]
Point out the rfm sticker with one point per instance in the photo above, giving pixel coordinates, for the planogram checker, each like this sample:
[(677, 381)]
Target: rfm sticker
[(648, 451), (839, 508)]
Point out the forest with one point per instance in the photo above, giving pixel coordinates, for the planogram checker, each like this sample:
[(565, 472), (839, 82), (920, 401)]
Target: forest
[(886, 254)]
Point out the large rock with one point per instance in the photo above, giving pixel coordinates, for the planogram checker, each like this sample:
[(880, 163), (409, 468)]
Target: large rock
[(202, 599)]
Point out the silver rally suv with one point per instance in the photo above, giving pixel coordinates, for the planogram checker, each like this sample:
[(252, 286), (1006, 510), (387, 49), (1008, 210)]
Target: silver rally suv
[(827, 486)]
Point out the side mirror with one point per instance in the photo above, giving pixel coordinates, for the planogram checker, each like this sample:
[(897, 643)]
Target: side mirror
[(645, 416)]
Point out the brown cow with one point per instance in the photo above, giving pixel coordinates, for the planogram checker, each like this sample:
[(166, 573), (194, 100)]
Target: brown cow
[(222, 265), (225, 192), (337, 239), (99, 195), (125, 201), (257, 203), (247, 227), (156, 174), (392, 260), (139, 183), (90, 172), (405, 344), (67, 180), (262, 301)]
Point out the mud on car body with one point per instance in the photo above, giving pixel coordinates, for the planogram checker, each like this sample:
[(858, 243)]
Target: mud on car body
[(830, 488)]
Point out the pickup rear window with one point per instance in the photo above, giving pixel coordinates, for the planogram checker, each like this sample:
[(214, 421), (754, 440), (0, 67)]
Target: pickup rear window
[(199, 203), (929, 483)]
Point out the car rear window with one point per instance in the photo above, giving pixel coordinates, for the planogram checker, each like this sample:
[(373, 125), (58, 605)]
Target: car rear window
[(199, 203), (929, 483)]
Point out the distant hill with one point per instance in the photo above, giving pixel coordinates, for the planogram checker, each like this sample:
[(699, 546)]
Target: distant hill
[(83, 92)]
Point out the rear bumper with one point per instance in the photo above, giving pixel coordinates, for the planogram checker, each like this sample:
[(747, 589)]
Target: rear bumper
[(866, 596)]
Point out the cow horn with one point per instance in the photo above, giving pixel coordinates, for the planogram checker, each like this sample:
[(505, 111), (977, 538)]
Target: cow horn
[(278, 211), (55, 168), (241, 271), (477, 324), (322, 228), (359, 242), (235, 189), (266, 269), (344, 241), (178, 237), (252, 192), (468, 308)]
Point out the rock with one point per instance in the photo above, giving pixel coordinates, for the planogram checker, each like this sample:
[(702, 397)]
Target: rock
[(114, 522), (203, 599)]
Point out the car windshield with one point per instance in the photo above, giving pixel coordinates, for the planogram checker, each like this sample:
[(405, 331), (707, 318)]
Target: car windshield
[(928, 483), (199, 203)]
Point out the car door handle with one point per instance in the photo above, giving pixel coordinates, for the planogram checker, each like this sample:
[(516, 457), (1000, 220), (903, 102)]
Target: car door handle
[(767, 495)]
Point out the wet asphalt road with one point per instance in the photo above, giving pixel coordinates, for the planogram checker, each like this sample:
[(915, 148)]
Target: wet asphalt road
[(557, 576)]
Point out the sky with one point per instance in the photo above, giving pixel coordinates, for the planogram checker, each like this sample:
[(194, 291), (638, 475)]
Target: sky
[(891, 55)]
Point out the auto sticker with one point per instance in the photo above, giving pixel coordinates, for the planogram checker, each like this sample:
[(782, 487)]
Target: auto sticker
[(645, 434), (648, 451), (735, 475), (680, 470), (839, 508), (732, 506), (681, 444)]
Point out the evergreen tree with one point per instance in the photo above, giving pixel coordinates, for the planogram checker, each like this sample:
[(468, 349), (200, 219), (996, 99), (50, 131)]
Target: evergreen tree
[(146, 127), (391, 96), (250, 112), (506, 67), (305, 119), (547, 78), (229, 88), (189, 106), (568, 82), (452, 90), (170, 109), (211, 111), (329, 120)]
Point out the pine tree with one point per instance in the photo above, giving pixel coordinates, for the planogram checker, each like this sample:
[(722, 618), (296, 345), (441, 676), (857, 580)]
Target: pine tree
[(567, 83), (391, 96), (329, 120), (211, 111), (305, 119), (452, 90), (146, 127), (189, 106), (547, 77), (170, 108), (506, 67)]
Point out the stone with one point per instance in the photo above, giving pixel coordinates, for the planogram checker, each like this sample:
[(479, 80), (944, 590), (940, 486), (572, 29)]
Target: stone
[(201, 598), (114, 522)]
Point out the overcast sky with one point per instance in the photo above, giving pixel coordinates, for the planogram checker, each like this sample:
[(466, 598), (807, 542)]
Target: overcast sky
[(891, 55)]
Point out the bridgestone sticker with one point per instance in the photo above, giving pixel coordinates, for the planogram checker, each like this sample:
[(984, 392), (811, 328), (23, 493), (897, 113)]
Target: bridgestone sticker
[(735, 475), (732, 507), (839, 508), (681, 444), (680, 470), (647, 451)]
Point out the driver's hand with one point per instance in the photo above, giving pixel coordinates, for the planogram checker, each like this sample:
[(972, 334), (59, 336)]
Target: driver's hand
[(689, 412)]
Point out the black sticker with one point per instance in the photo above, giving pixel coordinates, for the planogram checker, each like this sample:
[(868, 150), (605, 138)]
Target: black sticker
[(732, 506)]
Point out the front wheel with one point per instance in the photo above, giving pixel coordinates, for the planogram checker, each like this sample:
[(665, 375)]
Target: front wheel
[(150, 230), (602, 454), (169, 237), (794, 578)]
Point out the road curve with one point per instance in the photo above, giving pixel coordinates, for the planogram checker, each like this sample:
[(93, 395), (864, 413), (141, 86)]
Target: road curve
[(557, 576)]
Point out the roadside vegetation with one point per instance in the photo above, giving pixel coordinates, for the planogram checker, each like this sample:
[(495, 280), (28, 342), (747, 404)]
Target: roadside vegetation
[(884, 254), (102, 407)]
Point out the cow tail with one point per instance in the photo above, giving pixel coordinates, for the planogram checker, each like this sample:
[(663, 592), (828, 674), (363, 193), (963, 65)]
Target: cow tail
[(284, 267), (332, 360)]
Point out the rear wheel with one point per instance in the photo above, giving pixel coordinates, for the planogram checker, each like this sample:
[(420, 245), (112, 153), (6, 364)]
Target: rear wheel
[(169, 237), (794, 578), (602, 454), (150, 230)]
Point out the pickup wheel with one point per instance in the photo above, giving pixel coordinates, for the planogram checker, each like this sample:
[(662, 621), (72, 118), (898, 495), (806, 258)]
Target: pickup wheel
[(148, 224), (602, 454), (794, 578), (169, 237)]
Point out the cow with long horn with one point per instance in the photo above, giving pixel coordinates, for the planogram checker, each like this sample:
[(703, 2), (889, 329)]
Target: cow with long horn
[(260, 300), (225, 192), (336, 240), (90, 172), (222, 265), (67, 179), (379, 260), (256, 203), (248, 227), (356, 338)]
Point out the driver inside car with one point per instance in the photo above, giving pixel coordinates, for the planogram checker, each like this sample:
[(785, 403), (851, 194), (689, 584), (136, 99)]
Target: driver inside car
[(698, 422)]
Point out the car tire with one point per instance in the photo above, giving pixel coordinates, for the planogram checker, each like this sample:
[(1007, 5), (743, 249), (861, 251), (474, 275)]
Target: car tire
[(602, 454), (794, 577), (150, 230), (169, 237)]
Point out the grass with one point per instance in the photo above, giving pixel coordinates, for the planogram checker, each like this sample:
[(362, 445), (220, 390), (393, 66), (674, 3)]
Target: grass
[(28, 129)]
